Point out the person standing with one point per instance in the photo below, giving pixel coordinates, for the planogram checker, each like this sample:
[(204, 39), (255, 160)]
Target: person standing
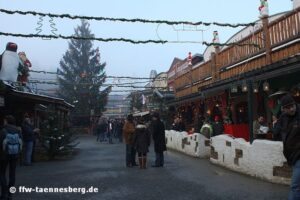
[(158, 134), (276, 128), (10, 148), (28, 138), (217, 126), (290, 132), (142, 143), (110, 131), (102, 129), (206, 129), (128, 133), (258, 126)]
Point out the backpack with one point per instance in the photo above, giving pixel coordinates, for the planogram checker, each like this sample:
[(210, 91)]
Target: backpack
[(206, 130), (12, 143)]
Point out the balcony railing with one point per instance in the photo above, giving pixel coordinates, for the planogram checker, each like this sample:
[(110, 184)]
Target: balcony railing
[(275, 41)]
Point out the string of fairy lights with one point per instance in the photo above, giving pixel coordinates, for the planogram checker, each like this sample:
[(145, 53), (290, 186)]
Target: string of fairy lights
[(118, 77)]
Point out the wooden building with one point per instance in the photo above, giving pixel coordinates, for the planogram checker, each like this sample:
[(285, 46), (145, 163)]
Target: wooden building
[(235, 82), (17, 103)]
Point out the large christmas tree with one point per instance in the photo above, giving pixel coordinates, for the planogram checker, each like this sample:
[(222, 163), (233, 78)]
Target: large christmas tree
[(81, 75)]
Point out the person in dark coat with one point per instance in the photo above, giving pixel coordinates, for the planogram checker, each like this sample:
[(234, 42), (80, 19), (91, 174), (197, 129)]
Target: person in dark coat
[(142, 143), (276, 128), (9, 155), (290, 132), (158, 134), (217, 126), (101, 129), (28, 133)]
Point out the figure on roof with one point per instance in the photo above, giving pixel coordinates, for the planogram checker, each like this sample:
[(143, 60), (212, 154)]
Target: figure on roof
[(23, 69), (264, 8), (9, 63)]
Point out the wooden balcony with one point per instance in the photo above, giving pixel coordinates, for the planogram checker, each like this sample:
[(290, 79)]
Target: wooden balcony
[(274, 42)]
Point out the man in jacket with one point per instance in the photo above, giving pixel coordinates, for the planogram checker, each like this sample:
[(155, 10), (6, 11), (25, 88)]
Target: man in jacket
[(128, 133), (10, 148), (290, 131), (28, 137), (158, 134)]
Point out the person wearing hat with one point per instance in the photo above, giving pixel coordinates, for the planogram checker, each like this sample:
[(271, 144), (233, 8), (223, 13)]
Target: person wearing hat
[(290, 132)]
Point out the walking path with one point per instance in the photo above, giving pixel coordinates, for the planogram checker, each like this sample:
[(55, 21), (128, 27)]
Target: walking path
[(102, 166)]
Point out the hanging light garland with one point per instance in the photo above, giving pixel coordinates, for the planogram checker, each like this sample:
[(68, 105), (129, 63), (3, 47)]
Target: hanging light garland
[(11, 12), (122, 40)]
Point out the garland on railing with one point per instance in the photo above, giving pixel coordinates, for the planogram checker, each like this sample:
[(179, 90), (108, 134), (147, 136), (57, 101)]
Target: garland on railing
[(231, 44), (11, 12)]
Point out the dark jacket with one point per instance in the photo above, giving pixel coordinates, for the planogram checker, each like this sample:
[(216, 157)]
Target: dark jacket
[(276, 129), (290, 132), (27, 132), (10, 129), (218, 128), (158, 134), (141, 139)]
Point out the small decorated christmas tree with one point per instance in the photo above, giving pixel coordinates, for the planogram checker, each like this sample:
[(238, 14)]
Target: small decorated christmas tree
[(56, 138)]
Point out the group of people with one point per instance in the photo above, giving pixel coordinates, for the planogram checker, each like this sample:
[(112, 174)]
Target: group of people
[(106, 129), (137, 135), (207, 127), (12, 141), (285, 127)]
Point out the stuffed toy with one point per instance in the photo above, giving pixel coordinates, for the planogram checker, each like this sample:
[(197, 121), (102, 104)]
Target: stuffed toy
[(23, 69), (9, 63), (263, 8)]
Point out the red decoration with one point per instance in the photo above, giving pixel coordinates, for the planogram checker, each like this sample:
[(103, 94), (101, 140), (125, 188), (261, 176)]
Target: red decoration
[(271, 103), (190, 58)]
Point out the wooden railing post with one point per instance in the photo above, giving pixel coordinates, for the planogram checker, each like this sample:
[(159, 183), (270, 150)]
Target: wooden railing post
[(217, 63), (267, 39), (213, 66)]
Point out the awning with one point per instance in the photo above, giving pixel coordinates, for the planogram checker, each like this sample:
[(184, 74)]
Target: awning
[(141, 114)]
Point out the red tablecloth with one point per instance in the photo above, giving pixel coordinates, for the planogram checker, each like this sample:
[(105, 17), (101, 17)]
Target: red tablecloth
[(237, 130)]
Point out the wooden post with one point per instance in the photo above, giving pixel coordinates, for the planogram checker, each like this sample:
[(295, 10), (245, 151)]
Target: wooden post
[(191, 78), (267, 39), (217, 72), (250, 109), (213, 67)]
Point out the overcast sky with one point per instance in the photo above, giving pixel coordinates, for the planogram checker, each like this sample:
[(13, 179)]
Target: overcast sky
[(125, 59)]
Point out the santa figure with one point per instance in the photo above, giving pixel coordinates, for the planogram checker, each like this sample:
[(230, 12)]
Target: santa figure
[(264, 8), (9, 63), (23, 69), (216, 39)]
